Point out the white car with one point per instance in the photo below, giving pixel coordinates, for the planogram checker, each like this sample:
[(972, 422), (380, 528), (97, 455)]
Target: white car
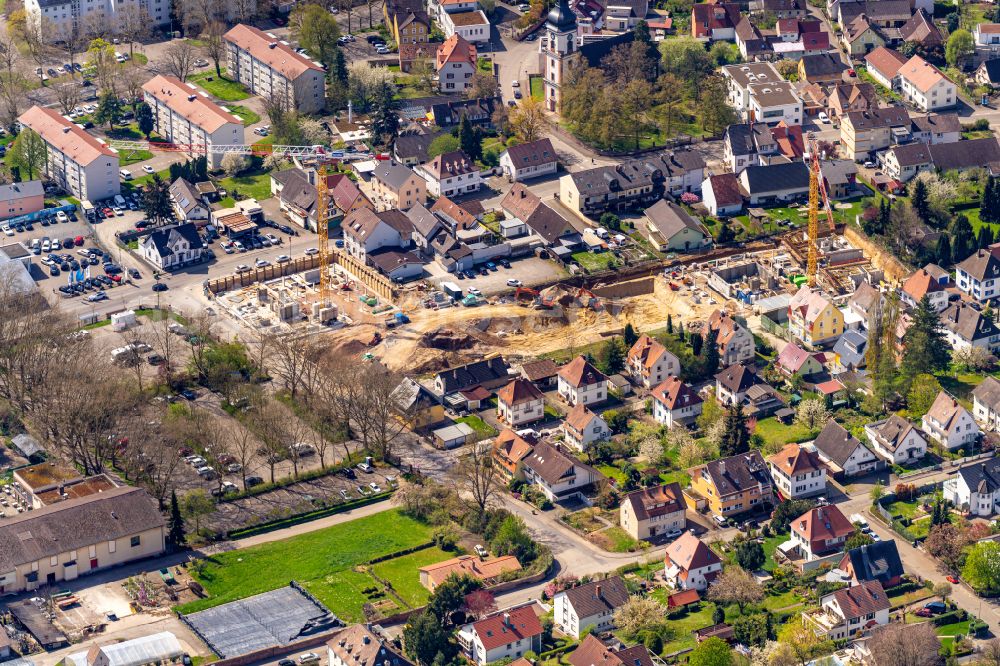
[(869, 165), (475, 291), (516, 84), (513, 282), (271, 237), (148, 169), (126, 174), (118, 211), (823, 118), (242, 268), (62, 217), (7, 230), (375, 487), (261, 263), (311, 251), (673, 533), (282, 258), (308, 657)]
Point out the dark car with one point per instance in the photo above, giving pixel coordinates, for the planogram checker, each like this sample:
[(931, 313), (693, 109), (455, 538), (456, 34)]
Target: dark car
[(484, 271), (252, 481), (504, 263), (112, 269), (134, 273), (142, 224), (349, 473), (159, 286), (936, 607), (53, 270), (286, 662)]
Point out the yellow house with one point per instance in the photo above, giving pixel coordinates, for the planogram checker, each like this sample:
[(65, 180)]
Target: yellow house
[(733, 485), (407, 21), (419, 407), (812, 319)]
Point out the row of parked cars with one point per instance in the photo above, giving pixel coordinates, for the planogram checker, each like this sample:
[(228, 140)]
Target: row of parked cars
[(9, 229)]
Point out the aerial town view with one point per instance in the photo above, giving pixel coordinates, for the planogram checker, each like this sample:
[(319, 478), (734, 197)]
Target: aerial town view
[(499, 332)]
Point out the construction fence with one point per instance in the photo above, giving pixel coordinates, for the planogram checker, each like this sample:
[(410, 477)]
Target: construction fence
[(376, 283), (263, 274)]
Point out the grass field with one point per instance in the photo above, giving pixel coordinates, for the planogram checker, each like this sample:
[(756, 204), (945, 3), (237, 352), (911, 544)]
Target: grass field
[(403, 573), (219, 87), (251, 184), (481, 427), (320, 560), (536, 84), (248, 116), (775, 432), (595, 261), (617, 540), (770, 545), (611, 472)]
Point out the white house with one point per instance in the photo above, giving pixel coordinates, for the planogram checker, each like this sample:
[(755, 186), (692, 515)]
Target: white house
[(582, 427), (556, 474), (170, 248), (773, 103), (182, 114), (843, 452), (78, 162), (366, 231), (525, 161), (690, 564), (520, 402), (923, 85), (270, 68), (976, 488), (504, 635), (670, 228), (950, 424), (450, 174), (648, 362), (986, 403), (188, 204), (455, 62), (732, 383), (850, 611), (896, 440), (739, 78), (965, 326), (592, 604), (820, 531), (735, 341), (472, 26), (775, 183), (721, 195), (675, 403), (653, 511), (978, 275), (579, 382), (797, 472)]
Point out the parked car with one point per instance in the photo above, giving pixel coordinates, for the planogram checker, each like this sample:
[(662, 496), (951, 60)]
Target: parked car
[(252, 481)]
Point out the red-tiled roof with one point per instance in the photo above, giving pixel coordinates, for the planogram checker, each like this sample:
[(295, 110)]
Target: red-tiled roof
[(508, 627)]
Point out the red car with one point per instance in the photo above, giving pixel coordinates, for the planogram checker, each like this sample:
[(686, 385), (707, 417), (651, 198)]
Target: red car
[(851, 72), (108, 213), (78, 241), (952, 579), (924, 612), (116, 278)]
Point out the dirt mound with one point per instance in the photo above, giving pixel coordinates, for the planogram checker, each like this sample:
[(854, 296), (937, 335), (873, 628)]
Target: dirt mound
[(447, 339), (352, 348)]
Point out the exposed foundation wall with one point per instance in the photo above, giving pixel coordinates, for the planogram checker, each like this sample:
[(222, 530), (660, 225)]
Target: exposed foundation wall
[(644, 285), (894, 269)]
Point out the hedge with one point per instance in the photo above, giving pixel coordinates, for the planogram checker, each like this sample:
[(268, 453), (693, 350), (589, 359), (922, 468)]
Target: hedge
[(556, 651), (282, 523), (904, 588), (401, 553), (288, 480), (951, 617)]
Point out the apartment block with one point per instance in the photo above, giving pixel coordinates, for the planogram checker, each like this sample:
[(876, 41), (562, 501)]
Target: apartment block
[(270, 68)]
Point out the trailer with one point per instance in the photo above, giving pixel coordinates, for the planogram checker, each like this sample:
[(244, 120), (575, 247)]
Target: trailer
[(452, 290)]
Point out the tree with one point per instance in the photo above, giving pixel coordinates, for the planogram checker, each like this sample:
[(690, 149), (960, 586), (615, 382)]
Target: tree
[(812, 414), (710, 350), (109, 110), (234, 163), (29, 153), (687, 59), (857, 540), (316, 30), (612, 357), (470, 139), (215, 44), (735, 586), (640, 614), (750, 555), (788, 511), (528, 120), (961, 237), (478, 476), (715, 113), (512, 538), (155, 200), (480, 603), (905, 645), (923, 391), (947, 543), (385, 120), (959, 48), (482, 85), (630, 336), (179, 59), (801, 640), (196, 506), (446, 143), (942, 590), (752, 629), (877, 492), (101, 55), (982, 566), (919, 198), (422, 74), (67, 96), (425, 639), (144, 118), (449, 596), (175, 534), (711, 652), (735, 437)]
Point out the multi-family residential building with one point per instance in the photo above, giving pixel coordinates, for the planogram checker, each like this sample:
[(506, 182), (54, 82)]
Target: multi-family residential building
[(861, 37), (182, 114), (877, 561), (173, 247), (588, 605), (357, 645), (813, 319), (272, 69), (297, 197), (582, 427), (593, 651), (843, 452), (21, 198), (397, 186), (780, 181), (758, 89), (648, 362), (455, 63), (896, 440), (823, 68), (509, 452), (925, 86), (976, 488), (56, 20), (714, 22), (986, 403), (675, 403), (850, 612), (950, 424), (734, 485), (78, 162), (689, 564), (653, 511), (821, 531), (978, 275), (862, 133), (78, 536), (581, 383), (450, 174), (472, 26), (623, 15), (504, 635), (736, 343), (964, 326), (366, 232), (520, 402), (558, 475), (732, 383), (525, 161), (904, 162), (490, 373), (797, 472), (407, 20), (884, 64)]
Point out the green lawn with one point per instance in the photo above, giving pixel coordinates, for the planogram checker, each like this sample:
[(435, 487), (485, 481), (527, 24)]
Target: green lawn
[(481, 427), (681, 636), (248, 116), (611, 472), (770, 545), (779, 601), (219, 87), (342, 592), (680, 476), (775, 432), (142, 179), (127, 157), (619, 541), (254, 184), (595, 261), (403, 573), (537, 85), (321, 560), (904, 509)]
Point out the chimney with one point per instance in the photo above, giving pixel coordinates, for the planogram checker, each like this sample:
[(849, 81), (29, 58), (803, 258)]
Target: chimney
[(506, 619), (597, 592), (722, 466), (366, 640)]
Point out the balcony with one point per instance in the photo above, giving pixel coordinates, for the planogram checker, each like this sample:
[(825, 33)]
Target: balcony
[(822, 621)]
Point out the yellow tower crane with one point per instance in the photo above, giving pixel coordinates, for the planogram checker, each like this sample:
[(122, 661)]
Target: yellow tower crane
[(323, 230), (817, 189)]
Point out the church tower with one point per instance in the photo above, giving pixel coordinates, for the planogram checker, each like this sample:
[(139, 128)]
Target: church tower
[(561, 48)]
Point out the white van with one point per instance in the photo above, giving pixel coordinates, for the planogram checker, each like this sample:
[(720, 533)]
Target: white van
[(119, 201), (126, 175)]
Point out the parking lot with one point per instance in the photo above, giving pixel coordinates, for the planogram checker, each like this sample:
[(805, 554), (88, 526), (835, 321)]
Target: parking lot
[(529, 270)]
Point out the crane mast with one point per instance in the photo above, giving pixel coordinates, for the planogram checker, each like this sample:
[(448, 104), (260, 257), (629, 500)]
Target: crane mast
[(817, 190), (323, 231)]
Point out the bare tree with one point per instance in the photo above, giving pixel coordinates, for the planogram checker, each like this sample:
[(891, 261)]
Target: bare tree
[(991, 652), (265, 419), (131, 80), (199, 13), (70, 40), (292, 359), (371, 5), (375, 411), (244, 11), (243, 447), (151, 456), (132, 23), (734, 585), (134, 337), (67, 96), (179, 59), (477, 475), (905, 645), (215, 45)]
